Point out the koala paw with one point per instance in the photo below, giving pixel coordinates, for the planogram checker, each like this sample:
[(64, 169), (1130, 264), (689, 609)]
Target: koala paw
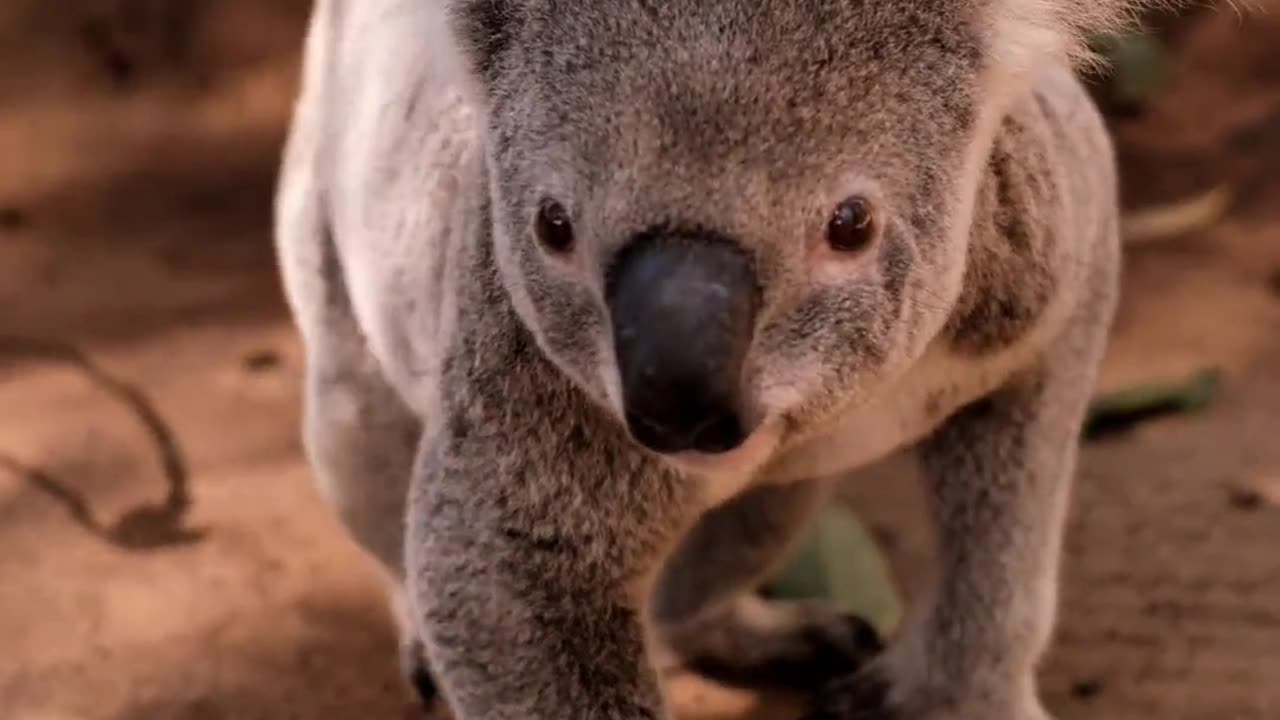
[(780, 644), (868, 695), (859, 696)]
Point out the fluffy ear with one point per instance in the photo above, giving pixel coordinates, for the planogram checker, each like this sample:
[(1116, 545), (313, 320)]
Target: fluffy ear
[(483, 30), (1028, 30)]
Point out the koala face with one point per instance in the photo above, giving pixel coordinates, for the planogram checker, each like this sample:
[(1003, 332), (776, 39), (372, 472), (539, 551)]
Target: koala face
[(718, 215)]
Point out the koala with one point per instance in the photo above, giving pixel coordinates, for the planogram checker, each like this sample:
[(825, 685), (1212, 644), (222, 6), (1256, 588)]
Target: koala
[(599, 297)]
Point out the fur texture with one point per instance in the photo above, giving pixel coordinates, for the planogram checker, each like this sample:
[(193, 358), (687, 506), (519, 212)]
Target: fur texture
[(464, 409)]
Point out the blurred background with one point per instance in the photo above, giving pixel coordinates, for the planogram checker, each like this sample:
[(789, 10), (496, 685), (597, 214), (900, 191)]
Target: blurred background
[(164, 556)]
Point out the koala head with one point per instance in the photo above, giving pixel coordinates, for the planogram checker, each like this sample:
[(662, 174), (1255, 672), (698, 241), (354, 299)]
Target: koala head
[(721, 215)]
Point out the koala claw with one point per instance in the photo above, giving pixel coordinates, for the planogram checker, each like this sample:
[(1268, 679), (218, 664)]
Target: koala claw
[(866, 696), (818, 645), (417, 674), (834, 649), (860, 696)]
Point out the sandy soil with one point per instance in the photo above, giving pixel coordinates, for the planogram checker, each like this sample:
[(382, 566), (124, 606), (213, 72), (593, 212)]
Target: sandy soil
[(165, 557)]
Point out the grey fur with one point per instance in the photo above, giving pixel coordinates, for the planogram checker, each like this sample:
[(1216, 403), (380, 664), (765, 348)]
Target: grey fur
[(463, 403)]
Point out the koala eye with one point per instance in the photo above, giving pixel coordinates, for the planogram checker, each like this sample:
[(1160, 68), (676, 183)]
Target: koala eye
[(553, 228), (852, 225)]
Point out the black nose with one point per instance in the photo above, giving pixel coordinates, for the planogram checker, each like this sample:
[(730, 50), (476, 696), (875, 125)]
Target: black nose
[(683, 307)]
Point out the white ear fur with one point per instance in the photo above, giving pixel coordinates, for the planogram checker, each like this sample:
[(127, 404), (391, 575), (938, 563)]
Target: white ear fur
[(1027, 32)]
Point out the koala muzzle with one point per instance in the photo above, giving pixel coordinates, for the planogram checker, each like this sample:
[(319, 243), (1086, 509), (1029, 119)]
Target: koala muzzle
[(683, 310)]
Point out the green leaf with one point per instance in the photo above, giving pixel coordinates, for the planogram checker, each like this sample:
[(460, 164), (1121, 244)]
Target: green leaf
[(1123, 408), (840, 561)]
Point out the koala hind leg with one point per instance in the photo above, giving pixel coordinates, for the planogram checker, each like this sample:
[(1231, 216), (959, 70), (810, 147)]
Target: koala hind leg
[(708, 614), (360, 440), (359, 437)]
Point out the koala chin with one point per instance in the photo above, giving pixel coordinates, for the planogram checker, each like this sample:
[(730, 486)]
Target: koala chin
[(598, 297)]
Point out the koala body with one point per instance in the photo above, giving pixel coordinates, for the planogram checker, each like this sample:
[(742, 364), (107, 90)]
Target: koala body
[(598, 297)]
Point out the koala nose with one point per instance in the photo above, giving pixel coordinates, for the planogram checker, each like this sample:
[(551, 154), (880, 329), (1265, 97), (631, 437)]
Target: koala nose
[(683, 308)]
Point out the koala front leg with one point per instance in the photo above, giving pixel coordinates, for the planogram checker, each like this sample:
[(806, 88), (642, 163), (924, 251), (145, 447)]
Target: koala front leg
[(999, 474), (531, 557), (708, 613)]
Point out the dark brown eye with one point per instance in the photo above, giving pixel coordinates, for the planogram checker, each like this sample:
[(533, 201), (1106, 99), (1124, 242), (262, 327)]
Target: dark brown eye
[(553, 227), (852, 226)]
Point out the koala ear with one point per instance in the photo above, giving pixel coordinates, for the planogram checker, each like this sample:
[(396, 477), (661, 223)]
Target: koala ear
[(1026, 31), (483, 30)]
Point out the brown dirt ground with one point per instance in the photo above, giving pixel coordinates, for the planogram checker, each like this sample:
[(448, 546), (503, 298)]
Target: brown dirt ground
[(138, 141)]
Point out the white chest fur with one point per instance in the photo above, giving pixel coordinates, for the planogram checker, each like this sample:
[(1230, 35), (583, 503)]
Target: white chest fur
[(902, 414)]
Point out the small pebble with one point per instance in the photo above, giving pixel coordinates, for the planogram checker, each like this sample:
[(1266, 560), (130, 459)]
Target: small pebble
[(12, 218), (262, 361), (1244, 499), (1087, 689), (1255, 489)]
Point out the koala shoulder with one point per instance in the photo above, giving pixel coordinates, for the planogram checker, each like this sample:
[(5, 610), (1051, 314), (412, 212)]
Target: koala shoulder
[(1043, 222), (395, 154)]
